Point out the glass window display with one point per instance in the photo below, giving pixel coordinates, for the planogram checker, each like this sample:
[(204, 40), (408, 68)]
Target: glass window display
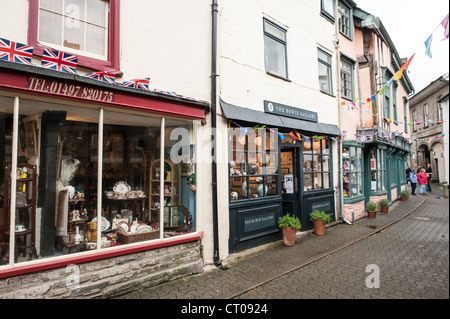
[(353, 171), (72, 193), (253, 163), (317, 169)]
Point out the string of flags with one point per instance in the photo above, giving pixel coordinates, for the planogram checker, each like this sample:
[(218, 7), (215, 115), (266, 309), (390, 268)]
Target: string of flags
[(296, 136), (397, 76), (16, 52)]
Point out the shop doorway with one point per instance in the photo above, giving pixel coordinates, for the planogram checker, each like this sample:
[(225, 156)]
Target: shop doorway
[(290, 181)]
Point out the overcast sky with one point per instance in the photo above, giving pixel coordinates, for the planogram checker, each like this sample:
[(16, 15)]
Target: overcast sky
[(409, 24)]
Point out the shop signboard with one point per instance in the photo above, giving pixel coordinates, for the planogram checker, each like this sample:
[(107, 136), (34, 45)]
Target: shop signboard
[(290, 111)]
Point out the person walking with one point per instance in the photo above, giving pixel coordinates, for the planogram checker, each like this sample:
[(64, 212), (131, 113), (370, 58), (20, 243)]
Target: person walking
[(408, 171), (422, 180), (429, 175), (413, 181)]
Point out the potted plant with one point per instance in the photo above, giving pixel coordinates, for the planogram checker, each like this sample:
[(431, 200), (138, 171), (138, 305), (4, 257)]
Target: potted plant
[(319, 218), (404, 195), (290, 225), (371, 209), (384, 205)]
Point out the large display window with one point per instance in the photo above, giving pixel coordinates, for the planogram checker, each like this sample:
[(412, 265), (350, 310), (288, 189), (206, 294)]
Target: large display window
[(253, 164), (86, 178), (377, 169), (317, 169), (353, 171)]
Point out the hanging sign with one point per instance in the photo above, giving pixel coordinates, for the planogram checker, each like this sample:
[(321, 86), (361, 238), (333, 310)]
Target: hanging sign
[(290, 111)]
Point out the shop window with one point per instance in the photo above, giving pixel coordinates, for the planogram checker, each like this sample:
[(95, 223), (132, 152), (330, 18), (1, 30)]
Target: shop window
[(317, 169), (353, 171), (377, 170), (275, 49), (324, 72), (124, 186), (253, 164), (87, 28)]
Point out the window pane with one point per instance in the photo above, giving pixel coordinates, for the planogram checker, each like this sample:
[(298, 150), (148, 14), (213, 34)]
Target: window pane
[(50, 27), (272, 185), (308, 182), (275, 56), (74, 34), (328, 7), (273, 30), (95, 42), (75, 9), (324, 78), (53, 5), (318, 181), (96, 12), (317, 163)]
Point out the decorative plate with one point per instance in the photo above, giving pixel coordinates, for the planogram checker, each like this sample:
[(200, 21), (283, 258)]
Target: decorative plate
[(121, 187), (105, 223)]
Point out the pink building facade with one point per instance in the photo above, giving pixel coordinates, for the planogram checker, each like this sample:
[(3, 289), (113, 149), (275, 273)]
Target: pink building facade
[(374, 109)]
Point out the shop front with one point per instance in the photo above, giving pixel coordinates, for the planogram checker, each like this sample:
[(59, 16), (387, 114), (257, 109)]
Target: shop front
[(373, 169), (91, 170), (280, 162)]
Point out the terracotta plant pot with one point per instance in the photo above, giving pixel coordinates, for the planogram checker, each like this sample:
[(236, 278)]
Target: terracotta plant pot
[(289, 236), (384, 209), (403, 198), (319, 227), (371, 214)]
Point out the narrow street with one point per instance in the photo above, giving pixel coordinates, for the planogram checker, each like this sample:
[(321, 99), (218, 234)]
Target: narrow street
[(411, 258)]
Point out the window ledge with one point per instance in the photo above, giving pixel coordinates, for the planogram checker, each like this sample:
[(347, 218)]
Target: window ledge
[(278, 76), (56, 262)]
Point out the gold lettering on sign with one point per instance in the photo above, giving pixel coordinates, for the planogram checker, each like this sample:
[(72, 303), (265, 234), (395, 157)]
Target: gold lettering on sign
[(70, 90)]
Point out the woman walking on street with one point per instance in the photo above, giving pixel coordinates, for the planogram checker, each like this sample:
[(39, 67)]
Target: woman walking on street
[(413, 181), (422, 180)]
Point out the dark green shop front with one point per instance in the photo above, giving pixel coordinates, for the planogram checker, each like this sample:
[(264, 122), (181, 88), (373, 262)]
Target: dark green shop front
[(270, 177)]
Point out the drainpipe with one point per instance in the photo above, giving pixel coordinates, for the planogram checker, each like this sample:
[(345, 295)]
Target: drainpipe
[(338, 96), (214, 12)]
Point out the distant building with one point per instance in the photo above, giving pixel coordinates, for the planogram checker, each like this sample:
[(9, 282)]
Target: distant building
[(427, 114)]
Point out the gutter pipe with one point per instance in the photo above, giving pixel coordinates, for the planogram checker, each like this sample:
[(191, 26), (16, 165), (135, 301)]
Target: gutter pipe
[(214, 12)]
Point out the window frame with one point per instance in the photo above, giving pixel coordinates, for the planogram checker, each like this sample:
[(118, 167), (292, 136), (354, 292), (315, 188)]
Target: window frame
[(328, 15), (358, 171), (113, 44), (351, 81), (379, 170), (349, 18), (328, 65), (280, 41), (394, 102), (387, 96), (414, 118), (320, 155), (405, 113), (426, 112)]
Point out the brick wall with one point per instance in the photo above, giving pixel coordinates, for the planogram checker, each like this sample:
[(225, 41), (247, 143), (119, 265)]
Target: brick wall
[(354, 210), (109, 277)]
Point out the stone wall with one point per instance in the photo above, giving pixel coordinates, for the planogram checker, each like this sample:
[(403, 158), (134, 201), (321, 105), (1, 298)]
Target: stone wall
[(109, 277)]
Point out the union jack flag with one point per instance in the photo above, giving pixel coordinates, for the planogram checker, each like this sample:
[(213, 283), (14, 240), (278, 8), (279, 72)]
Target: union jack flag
[(60, 61), (104, 76), (189, 98), (137, 83), (166, 92), (15, 52)]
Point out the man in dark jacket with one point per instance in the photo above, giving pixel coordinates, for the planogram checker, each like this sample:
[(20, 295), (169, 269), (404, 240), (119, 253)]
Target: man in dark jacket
[(429, 174)]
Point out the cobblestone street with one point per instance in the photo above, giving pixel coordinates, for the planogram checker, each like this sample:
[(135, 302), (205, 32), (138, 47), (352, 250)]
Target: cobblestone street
[(409, 246), (412, 257)]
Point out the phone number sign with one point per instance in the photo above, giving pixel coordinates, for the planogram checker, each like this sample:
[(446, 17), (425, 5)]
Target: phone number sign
[(69, 90)]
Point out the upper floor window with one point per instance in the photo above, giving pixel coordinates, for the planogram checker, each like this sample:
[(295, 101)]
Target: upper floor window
[(346, 79), (387, 96), (345, 20), (414, 118), (324, 71), (327, 8), (275, 49), (394, 101), (440, 111), (87, 28), (77, 26), (405, 111), (425, 115)]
